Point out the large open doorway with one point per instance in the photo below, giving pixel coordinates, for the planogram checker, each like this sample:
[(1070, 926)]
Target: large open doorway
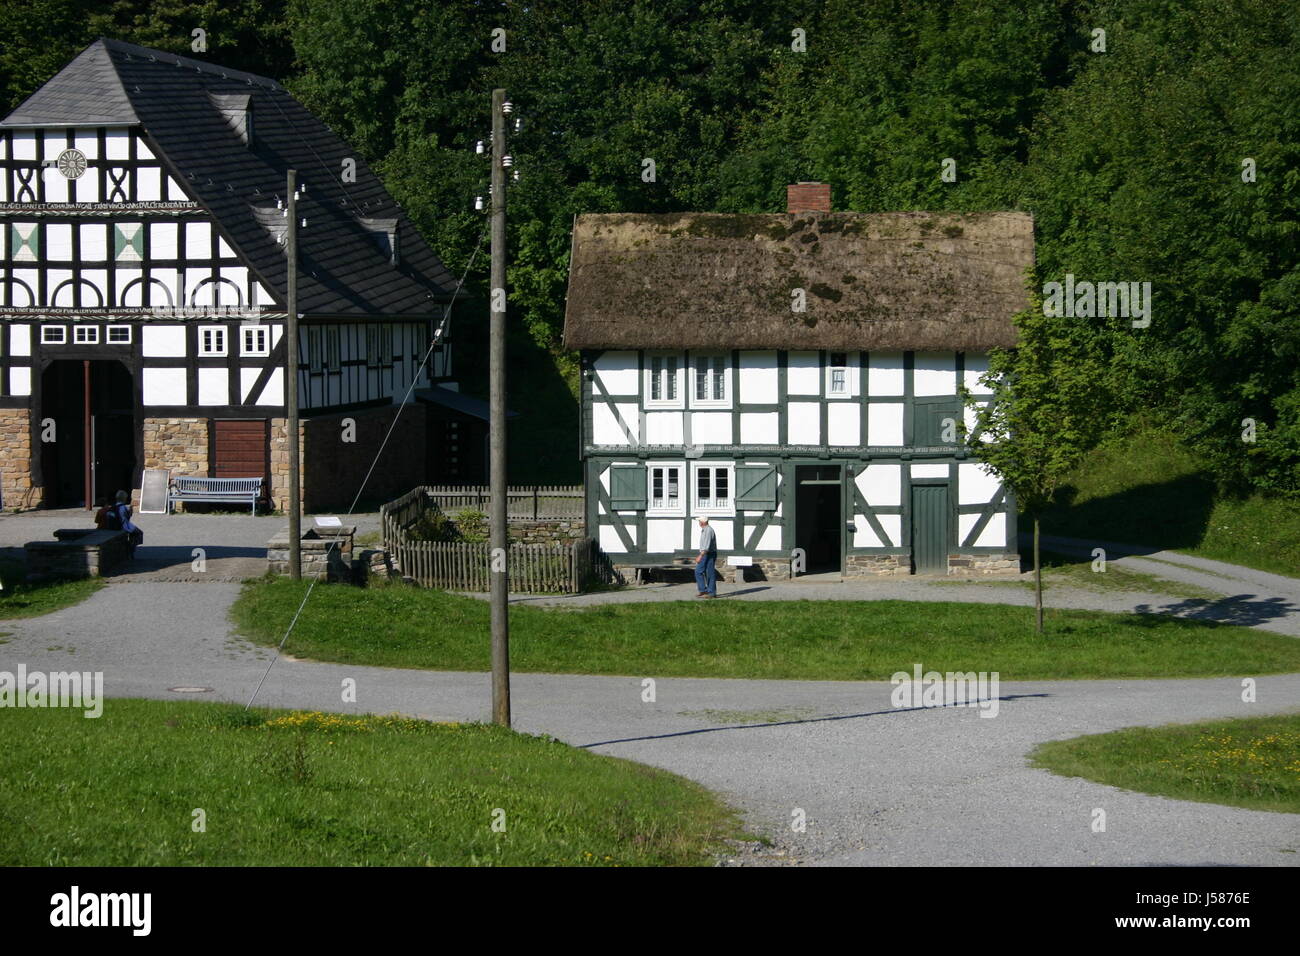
[(66, 471), (818, 516)]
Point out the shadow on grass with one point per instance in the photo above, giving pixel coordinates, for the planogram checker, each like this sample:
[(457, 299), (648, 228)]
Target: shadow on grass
[(806, 720), (1241, 610), (1154, 517)]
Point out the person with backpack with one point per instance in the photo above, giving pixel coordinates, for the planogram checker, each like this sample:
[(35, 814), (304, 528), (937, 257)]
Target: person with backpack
[(120, 515)]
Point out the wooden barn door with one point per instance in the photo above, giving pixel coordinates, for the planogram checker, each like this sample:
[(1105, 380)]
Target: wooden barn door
[(930, 529), (240, 449)]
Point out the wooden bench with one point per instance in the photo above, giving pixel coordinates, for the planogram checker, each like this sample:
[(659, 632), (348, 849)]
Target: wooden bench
[(209, 490)]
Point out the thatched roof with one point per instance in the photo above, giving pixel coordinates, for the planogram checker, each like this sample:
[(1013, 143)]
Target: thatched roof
[(899, 280)]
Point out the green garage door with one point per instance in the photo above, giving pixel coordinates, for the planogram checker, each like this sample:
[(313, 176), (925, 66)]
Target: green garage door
[(930, 529)]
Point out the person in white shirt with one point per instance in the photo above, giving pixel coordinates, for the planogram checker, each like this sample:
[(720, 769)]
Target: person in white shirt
[(706, 563)]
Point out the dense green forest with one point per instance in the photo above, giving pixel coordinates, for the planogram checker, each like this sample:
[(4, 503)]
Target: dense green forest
[(1166, 149)]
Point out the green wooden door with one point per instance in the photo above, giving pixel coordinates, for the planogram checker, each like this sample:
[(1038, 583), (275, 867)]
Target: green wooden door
[(930, 529)]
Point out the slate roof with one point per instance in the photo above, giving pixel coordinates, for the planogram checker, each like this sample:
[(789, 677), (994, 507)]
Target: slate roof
[(343, 270), (893, 281)]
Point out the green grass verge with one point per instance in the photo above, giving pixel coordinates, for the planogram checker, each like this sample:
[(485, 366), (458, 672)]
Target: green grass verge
[(20, 599), (293, 789), (401, 626), (1147, 489), (1252, 762)]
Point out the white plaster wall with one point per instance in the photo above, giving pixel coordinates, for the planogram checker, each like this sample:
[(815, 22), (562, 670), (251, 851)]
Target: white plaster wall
[(885, 423), (163, 386), (758, 378), (804, 423)]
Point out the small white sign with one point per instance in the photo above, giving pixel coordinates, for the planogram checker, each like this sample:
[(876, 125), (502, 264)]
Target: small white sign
[(327, 522), (740, 560)]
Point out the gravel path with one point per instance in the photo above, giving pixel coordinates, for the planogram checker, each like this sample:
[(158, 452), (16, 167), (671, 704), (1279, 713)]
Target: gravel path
[(233, 545), (877, 785), (1250, 598)]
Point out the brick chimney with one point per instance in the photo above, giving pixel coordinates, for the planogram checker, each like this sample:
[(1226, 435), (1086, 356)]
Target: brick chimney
[(808, 197)]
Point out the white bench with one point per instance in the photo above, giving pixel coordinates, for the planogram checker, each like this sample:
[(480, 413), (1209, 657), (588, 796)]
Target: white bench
[(228, 490)]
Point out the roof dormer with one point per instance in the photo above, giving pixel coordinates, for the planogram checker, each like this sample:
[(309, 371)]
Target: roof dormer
[(237, 111), (384, 234)]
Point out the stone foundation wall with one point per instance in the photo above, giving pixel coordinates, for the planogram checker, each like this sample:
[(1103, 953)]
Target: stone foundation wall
[(767, 569), (177, 444), (547, 532), (77, 554), (326, 553), (877, 565), (984, 564), (16, 488), (279, 492)]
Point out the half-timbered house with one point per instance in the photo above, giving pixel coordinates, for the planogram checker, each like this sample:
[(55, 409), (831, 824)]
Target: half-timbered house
[(143, 281), (795, 377)]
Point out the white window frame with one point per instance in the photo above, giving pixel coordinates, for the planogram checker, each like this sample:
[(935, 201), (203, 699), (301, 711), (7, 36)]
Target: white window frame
[(256, 331), (333, 348), (677, 380), (713, 377), (662, 509), (220, 335), (713, 505), (315, 348), (850, 390), (85, 335), (108, 335), (47, 337)]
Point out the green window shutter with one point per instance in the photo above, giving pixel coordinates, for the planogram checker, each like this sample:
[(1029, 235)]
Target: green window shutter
[(928, 423), (627, 488), (755, 487)]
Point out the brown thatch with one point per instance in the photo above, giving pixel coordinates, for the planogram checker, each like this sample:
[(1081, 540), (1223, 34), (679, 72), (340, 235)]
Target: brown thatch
[(900, 280)]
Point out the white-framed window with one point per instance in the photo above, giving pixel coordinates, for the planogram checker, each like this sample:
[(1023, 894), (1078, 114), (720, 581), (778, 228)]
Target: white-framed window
[(667, 492), (333, 352), (85, 334), (315, 348), (54, 334), (710, 381), (255, 340), (839, 375), (379, 346), (118, 334), (212, 340), (663, 385), (714, 485)]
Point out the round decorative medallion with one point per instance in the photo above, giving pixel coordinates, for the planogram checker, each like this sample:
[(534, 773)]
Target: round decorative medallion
[(72, 163)]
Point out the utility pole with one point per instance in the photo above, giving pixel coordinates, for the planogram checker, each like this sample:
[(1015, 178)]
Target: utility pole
[(497, 417), (291, 378)]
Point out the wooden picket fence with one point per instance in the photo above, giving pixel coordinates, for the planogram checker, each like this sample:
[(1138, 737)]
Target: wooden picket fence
[(466, 566), (523, 502)]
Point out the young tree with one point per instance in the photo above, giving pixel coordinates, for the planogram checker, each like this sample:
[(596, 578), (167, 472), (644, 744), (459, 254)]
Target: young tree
[(1048, 409)]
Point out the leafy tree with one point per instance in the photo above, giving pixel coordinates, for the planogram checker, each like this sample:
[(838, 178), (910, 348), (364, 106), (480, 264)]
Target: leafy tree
[(1048, 409)]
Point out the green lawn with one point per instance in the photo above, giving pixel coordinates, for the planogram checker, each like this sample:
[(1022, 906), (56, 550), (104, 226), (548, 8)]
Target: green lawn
[(20, 599), (401, 626), (294, 789), (1146, 489), (1253, 762)]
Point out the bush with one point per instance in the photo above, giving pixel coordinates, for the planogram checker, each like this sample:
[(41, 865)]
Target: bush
[(433, 525), (473, 525)]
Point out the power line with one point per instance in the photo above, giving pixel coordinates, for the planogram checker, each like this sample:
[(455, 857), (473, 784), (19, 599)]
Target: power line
[(433, 343)]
